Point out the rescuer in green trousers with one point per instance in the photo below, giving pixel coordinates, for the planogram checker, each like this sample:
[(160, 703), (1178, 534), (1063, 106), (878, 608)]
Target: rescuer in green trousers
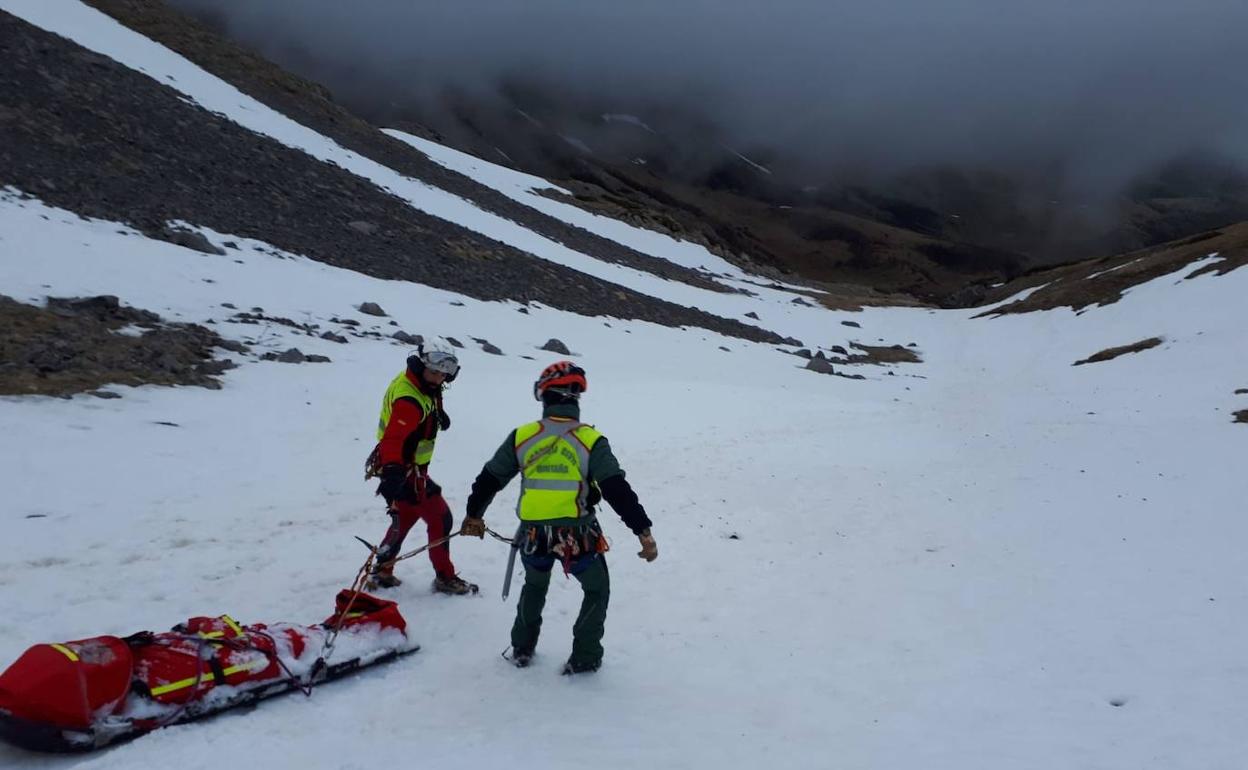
[(566, 468)]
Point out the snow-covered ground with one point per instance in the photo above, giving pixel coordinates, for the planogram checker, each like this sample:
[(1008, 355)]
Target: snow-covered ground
[(966, 563)]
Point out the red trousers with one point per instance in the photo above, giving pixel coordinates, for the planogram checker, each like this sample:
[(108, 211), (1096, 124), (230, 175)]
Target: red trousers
[(438, 521)]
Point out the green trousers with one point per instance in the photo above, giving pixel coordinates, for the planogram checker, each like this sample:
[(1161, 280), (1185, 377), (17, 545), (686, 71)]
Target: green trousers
[(591, 572)]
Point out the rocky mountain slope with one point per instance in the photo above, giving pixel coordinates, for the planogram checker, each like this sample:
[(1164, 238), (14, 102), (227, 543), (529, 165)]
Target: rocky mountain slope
[(104, 140)]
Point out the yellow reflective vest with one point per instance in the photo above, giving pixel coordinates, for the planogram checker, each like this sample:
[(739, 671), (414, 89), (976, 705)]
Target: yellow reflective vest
[(553, 456), (402, 387)]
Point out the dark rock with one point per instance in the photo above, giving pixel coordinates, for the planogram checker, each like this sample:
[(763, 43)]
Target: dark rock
[(408, 339), (752, 314), (556, 346), (821, 365), (838, 349), (334, 337), (314, 358), (216, 368), (726, 350), (346, 321), (854, 324), (104, 394), (191, 240), (454, 342), (491, 349), (72, 346), (230, 245), (371, 308), (234, 346), (257, 310), (800, 301), (967, 296), (1241, 391), (456, 303), (230, 305), (290, 356), (365, 228), (804, 353)]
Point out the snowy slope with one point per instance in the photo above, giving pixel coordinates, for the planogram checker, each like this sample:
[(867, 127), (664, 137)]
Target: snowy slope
[(959, 565)]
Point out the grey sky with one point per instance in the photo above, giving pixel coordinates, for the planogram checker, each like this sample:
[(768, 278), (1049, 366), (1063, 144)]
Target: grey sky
[(1102, 86)]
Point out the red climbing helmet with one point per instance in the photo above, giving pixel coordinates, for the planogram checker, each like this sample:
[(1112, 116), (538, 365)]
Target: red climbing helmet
[(563, 377)]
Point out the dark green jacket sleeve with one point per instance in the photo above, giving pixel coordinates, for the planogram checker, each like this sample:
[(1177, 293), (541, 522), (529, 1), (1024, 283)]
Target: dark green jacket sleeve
[(493, 477), (605, 471)]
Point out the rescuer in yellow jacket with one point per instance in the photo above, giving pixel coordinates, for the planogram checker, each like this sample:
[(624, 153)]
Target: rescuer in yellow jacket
[(566, 468)]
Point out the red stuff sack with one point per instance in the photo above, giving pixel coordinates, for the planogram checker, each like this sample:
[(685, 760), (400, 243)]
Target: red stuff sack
[(67, 685), (364, 610)]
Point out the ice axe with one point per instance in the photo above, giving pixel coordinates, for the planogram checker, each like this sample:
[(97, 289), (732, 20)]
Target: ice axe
[(511, 560)]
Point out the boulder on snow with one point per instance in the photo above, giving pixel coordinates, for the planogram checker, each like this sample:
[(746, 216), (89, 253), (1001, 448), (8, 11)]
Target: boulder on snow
[(190, 240), (408, 339), (290, 356), (556, 346), (371, 308), (334, 337), (854, 324), (752, 314), (454, 342), (820, 365)]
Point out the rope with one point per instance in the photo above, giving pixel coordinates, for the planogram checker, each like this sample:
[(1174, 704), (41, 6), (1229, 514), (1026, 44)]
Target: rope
[(496, 536), (327, 648), (418, 551)]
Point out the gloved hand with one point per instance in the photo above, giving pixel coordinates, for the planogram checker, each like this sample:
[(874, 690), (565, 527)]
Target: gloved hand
[(649, 549), (393, 478), (473, 526), (444, 420)]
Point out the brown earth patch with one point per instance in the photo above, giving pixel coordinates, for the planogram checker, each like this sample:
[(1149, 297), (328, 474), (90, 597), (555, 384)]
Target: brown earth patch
[(882, 262), (1111, 353), (75, 346), (1241, 415), (1103, 281), (883, 354)]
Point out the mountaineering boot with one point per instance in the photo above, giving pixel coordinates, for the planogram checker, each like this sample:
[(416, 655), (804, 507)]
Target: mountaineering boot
[(454, 585), (574, 666), (383, 577), (521, 658)]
